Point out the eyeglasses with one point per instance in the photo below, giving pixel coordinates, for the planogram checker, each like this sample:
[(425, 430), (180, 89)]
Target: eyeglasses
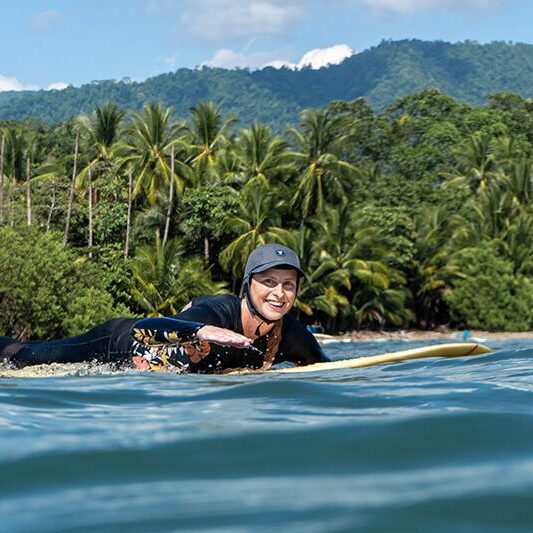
[(271, 283)]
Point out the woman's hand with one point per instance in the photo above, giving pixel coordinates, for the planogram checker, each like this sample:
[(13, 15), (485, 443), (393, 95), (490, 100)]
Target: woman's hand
[(226, 337)]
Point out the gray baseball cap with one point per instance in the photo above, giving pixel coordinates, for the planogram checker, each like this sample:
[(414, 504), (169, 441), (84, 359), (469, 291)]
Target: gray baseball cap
[(271, 256)]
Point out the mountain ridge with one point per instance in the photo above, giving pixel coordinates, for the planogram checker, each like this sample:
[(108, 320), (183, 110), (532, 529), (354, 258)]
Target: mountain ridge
[(468, 71)]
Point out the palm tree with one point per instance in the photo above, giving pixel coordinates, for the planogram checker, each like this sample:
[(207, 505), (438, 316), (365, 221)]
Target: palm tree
[(128, 216), (101, 136), (72, 186), (90, 198), (319, 287), (321, 174), (516, 243), (164, 281), (486, 218), (28, 191), (519, 180), (356, 253), (254, 223), (16, 147), (383, 298), (343, 275), (2, 176), (207, 131), (51, 171), (476, 163), (261, 156), (151, 137), (170, 197), (435, 262), (20, 149)]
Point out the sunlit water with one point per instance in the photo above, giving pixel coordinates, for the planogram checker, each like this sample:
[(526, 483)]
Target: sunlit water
[(427, 445)]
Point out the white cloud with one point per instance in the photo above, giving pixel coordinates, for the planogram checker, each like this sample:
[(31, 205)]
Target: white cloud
[(45, 20), (321, 57), (58, 86), (411, 6), (317, 58), (231, 20), (227, 58), (8, 83)]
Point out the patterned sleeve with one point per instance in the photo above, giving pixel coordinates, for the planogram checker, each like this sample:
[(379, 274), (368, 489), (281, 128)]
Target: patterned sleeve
[(163, 330), (161, 343)]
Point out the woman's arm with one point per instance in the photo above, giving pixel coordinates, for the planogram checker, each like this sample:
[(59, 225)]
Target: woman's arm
[(156, 331), (160, 343)]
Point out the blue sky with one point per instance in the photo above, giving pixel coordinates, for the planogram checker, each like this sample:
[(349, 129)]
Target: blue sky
[(50, 43)]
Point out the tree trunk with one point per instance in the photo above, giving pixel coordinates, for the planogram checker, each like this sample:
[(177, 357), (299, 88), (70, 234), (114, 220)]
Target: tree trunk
[(51, 210), (170, 198), (206, 249), (11, 207), (90, 192), (28, 192), (128, 219), (71, 192), (2, 145)]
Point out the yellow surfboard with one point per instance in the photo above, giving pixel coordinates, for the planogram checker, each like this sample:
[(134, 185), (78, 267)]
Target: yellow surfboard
[(438, 350)]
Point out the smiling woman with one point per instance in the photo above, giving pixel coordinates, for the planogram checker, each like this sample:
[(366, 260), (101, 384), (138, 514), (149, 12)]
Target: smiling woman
[(274, 291), (253, 331), (211, 334)]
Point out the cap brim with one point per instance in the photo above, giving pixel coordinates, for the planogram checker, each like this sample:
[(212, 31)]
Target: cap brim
[(275, 264)]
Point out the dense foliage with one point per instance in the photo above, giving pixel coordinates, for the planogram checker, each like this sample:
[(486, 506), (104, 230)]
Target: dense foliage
[(48, 290), (418, 215), (467, 71)]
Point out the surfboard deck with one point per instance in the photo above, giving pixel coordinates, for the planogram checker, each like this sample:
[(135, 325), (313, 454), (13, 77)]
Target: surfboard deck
[(437, 350)]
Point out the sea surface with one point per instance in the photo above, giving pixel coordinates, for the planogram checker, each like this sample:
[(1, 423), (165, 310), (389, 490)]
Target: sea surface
[(426, 445)]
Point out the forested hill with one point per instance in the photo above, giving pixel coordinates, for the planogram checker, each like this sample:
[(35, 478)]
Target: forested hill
[(467, 71)]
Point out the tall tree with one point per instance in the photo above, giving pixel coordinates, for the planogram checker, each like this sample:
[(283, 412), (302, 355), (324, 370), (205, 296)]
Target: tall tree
[(72, 187), (207, 130), (476, 163), (321, 175), (435, 265), (28, 191), (90, 209), (164, 281), (261, 156), (256, 219), (170, 198), (152, 133), (128, 216), (2, 177), (100, 134)]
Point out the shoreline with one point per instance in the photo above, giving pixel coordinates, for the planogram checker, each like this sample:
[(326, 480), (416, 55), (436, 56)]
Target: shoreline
[(440, 334)]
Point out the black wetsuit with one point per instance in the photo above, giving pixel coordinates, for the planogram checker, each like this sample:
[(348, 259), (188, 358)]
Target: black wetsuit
[(119, 339)]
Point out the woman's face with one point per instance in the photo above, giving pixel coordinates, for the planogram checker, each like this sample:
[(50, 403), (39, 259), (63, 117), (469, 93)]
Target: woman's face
[(274, 291)]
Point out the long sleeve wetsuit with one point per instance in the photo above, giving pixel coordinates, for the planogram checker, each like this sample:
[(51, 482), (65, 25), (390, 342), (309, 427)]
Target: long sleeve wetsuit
[(171, 339)]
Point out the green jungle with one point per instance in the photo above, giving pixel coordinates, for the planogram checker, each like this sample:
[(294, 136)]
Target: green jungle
[(419, 215)]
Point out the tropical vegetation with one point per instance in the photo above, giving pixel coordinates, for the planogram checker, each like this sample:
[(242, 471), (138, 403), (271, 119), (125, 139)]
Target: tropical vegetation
[(419, 215)]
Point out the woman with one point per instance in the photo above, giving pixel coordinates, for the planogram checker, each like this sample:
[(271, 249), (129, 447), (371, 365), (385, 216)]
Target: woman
[(212, 334)]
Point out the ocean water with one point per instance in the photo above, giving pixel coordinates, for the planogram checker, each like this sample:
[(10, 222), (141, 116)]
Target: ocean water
[(426, 445)]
